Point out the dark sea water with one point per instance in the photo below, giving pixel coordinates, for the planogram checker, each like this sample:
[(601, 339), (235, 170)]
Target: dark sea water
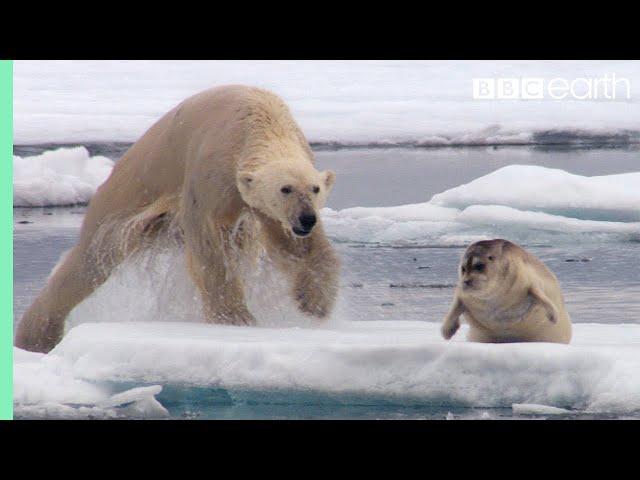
[(601, 282)]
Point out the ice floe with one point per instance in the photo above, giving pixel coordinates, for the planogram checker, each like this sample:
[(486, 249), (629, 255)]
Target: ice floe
[(523, 202), (369, 361), (45, 387)]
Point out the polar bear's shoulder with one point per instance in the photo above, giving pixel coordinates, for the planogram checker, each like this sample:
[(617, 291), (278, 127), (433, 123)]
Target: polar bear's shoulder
[(247, 99)]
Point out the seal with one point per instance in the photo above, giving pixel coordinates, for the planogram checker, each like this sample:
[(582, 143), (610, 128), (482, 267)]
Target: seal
[(506, 294)]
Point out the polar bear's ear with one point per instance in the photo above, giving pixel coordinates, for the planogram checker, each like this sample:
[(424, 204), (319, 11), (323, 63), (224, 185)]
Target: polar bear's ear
[(245, 179), (329, 178)]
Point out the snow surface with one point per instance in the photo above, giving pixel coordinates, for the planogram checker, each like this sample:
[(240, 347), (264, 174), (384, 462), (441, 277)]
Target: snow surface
[(369, 361), (347, 102), (524, 201), (64, 176)]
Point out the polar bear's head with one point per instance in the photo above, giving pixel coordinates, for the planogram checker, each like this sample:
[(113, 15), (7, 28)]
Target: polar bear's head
[(291, 193)]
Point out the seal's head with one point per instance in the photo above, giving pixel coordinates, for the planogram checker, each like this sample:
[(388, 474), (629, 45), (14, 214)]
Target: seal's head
[(484, 265)]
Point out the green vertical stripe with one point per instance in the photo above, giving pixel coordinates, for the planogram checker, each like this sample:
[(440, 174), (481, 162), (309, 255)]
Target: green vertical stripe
[(6, 239)]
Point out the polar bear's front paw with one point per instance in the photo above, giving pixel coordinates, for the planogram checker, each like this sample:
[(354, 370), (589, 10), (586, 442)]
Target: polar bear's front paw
[(232, 318), (449, 329), (246, 319), (312, 304)]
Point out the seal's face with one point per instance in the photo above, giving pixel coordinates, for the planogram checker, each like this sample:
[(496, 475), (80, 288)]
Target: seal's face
[(482, 267)]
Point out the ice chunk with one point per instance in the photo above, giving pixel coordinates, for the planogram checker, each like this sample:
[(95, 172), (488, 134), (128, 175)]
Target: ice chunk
[(65, 176), (138, 402), (533, 409), (614, 198), (45, 386)]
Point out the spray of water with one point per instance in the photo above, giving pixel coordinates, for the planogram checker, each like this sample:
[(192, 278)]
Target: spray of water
[(154, 285)]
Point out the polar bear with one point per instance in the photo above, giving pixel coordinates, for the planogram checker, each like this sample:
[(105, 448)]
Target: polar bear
[(228, 172)]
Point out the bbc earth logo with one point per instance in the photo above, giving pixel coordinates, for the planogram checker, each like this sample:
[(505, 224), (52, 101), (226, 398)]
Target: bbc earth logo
[(607, 87)]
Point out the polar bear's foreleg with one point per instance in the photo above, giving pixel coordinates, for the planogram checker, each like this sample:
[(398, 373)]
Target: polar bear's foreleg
[(315, 284), (310, 263)]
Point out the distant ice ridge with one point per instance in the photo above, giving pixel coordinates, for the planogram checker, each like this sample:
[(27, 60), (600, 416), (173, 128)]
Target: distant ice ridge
[(372, 362), (65, 176), (523, 202), (343, 102)]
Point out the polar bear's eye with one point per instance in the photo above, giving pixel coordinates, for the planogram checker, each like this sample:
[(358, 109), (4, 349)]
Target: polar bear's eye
[(286, 190), (316, 189)]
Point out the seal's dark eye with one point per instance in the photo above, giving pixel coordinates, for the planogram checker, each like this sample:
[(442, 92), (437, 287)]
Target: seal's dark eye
[(462, 269), (316, 189), (286, 190), (490, 257), (479, 267)]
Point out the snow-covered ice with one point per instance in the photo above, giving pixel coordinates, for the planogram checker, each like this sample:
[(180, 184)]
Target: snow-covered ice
[(45, 387), (550, 190), (346, 102), (373, 361), (529, 202), (64, 176)]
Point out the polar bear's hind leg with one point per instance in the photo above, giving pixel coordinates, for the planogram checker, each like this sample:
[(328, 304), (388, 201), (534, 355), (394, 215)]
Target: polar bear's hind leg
[(85, 268)]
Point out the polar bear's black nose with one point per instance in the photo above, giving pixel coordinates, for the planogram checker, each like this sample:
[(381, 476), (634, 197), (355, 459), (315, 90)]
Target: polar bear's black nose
[(307, 221)]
